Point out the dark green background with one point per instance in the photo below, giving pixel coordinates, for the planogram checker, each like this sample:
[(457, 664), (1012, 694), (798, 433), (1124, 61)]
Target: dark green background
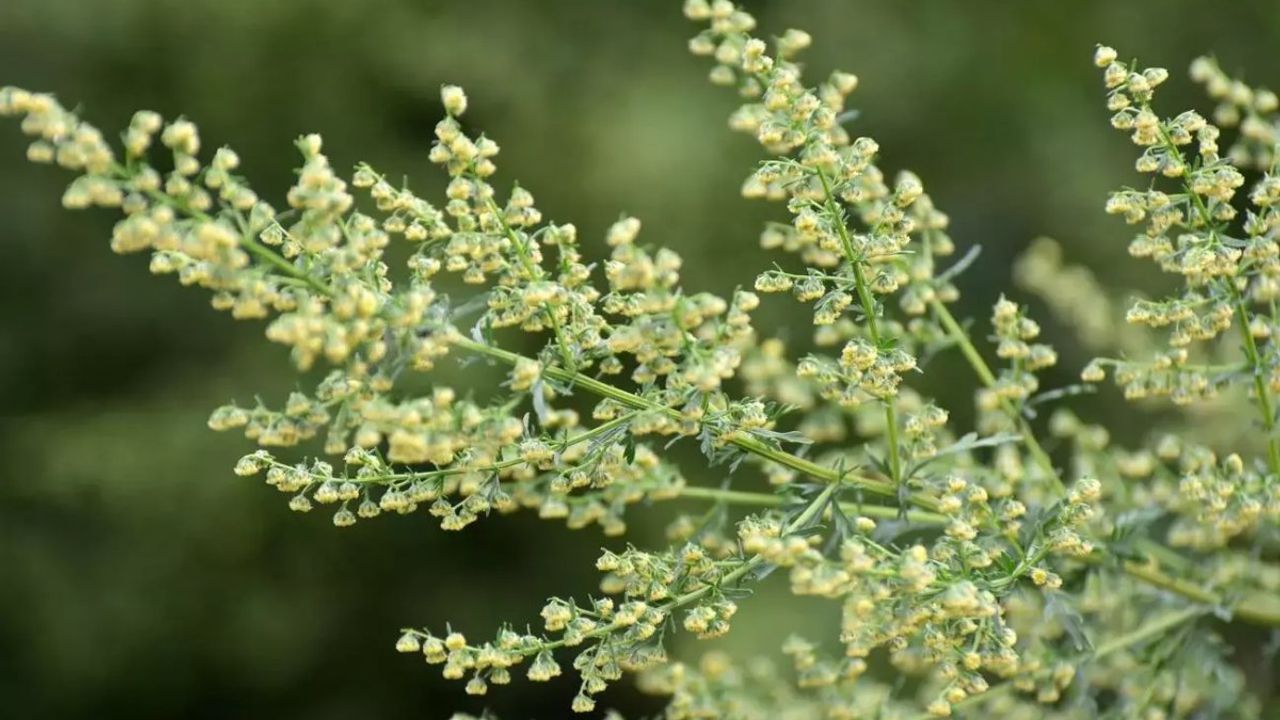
[(140, 578)]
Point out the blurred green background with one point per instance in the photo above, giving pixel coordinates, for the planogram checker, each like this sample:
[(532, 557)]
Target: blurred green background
[(140, 578)]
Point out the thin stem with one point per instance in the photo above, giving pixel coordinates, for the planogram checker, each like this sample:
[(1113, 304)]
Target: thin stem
[(988, 378), (1150, 630), (810, 513), (1262, 394), (248, 242), (1257, 608), (746, 443), (535, 272), (566, 443), (869, 311), (740, 497)]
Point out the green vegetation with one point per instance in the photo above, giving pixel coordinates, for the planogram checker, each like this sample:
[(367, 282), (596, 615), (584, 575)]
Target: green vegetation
[(1021, 564)]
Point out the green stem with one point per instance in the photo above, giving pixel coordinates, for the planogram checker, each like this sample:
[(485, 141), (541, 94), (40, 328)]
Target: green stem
[(248, 242), (1145, 632), (564, 444), (535, 272), (1262, 394), (749, 444), (806, 516), (1258, 608), (869, 310), (988, 378), (739, 497)]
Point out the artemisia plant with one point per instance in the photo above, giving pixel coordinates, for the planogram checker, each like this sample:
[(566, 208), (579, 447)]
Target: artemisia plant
[(980, 573)]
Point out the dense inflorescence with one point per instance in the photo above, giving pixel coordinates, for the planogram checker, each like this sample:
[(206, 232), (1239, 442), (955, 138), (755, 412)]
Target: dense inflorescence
[(984, 571)]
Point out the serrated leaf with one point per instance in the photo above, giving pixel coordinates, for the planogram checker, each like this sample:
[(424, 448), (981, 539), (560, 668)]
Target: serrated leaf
[(1071, 619), (969, 442), (1059, 393), (1034, 530)]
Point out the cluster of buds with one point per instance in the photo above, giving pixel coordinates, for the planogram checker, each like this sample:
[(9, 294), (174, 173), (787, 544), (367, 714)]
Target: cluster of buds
[(1252, 110), (941, 585)]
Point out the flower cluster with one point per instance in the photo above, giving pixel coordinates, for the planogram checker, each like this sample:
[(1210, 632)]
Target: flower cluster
[(936, 608), (862, 239), (1011, 390), (1229, 265), (1184, 232), (621, 632), (987, 570), (1252, 110)]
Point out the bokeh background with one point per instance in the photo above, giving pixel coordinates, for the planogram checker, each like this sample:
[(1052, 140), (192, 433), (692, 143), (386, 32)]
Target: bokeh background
[(140, 578)]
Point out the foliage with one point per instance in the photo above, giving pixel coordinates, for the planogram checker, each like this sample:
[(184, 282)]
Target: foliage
[(990, 576)]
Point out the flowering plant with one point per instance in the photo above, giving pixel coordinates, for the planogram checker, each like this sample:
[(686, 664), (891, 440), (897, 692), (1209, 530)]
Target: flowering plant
[(1024, 567)]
